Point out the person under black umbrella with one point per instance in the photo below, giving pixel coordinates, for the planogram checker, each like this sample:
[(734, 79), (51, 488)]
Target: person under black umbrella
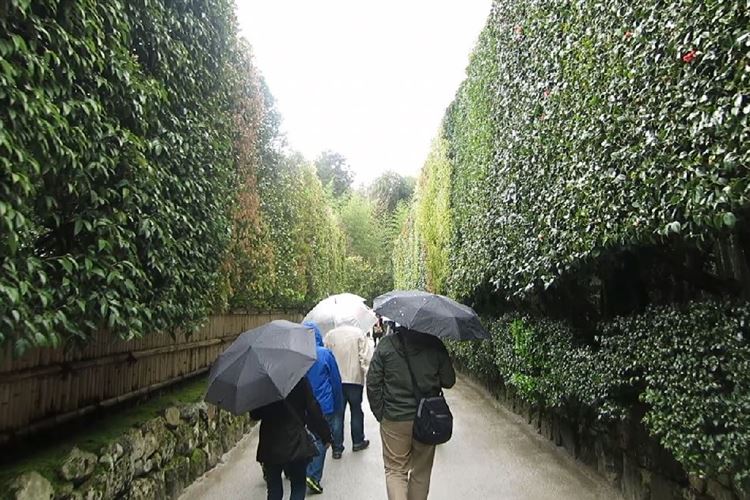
[(263, 372), (284, 444), (407, 374)]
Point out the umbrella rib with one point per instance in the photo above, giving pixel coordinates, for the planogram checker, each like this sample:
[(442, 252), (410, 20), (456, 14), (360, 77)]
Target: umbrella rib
[(419, 309)]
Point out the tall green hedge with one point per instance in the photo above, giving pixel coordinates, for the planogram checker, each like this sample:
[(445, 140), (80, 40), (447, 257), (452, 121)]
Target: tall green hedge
[(115, 163), (585, 126), (307, 241), (470, 131), (434, 214), (597, 157), (408, 254), (144, 181)]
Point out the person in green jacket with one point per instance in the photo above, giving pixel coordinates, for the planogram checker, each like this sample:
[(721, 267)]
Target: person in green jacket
[(408, 463)]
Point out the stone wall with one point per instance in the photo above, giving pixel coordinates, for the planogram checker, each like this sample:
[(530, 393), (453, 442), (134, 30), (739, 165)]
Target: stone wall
[(156, 460), (623, 453)]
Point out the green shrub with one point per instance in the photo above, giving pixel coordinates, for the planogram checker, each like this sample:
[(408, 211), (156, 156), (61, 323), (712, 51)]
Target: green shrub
[(306, 241), (689, 365)]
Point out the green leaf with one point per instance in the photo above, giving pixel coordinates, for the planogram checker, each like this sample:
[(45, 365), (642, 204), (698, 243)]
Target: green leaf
[(729, 219)]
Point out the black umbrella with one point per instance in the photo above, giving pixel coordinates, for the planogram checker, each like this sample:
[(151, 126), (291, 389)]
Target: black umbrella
[(261, 366), (431, 313)]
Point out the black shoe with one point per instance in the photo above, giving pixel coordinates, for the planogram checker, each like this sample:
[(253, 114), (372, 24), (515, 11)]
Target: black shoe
[(361, 446), (336, 455), (314, 486)]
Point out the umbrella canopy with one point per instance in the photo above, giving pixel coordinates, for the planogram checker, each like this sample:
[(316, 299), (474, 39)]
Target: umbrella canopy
[(344, 297), (339, 310), (261, 366), (431, 313)]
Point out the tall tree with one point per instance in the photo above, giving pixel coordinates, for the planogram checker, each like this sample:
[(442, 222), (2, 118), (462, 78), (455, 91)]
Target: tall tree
[(391, 188), (334, 172)]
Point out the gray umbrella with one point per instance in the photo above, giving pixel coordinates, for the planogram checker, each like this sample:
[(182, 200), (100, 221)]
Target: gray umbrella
[(261, 366), (431, 313)]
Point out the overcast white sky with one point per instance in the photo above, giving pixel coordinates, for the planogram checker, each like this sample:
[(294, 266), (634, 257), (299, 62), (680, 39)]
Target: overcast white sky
[(370, 80)]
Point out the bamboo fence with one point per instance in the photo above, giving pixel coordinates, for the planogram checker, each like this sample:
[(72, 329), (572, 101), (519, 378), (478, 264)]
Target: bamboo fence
[(47, 387)]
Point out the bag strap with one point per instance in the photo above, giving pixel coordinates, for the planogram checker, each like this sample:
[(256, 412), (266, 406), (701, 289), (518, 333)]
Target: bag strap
[(415, 386)]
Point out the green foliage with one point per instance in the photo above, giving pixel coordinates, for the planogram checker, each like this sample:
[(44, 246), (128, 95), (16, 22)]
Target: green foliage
[(470, 130), (334, 172), (593, 158), (694, 368), (587, 126), (248, 270), (325, 265), (408, 253), (434, 214), (367, 266), (306, 241), (361, 278), (115, 165), (390, 189), (690, 366), (144, 178), (287, 246), (362, 228)]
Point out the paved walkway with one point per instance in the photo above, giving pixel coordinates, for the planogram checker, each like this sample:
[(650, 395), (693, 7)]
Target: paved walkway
[(493, 455)]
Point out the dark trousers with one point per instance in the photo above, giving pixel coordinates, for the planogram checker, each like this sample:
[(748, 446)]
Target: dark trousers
[(295, 471), (353, 398)]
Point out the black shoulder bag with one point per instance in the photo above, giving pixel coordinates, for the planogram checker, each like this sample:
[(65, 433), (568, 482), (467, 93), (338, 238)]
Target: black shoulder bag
[(434, 421), (306, 447)]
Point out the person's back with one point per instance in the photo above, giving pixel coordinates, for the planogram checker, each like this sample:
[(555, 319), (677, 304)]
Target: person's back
[(352, 351), (350, 347), (324, 376), (432, 368), (283, 443), (408, 463)]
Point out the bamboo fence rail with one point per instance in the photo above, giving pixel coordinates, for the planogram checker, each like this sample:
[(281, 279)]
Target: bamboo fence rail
[(46, 387)]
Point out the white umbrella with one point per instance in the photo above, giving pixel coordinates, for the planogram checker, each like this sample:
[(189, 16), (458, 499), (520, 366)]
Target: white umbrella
[(343, 298), (339, 310)]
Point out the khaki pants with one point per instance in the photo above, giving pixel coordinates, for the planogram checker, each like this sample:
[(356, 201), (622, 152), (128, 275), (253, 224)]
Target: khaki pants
[(408, 463)]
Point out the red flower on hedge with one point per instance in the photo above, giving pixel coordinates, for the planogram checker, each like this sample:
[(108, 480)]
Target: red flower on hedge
[(689, 56), (628, 35), (546, 93)]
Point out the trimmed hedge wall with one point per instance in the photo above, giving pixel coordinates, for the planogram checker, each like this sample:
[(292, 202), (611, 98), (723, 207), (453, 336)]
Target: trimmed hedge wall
[(586, 126), (143, 178), (597, 216), (115, 164)]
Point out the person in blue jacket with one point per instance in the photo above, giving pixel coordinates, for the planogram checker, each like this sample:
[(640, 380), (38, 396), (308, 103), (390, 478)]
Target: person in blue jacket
[(325, 380)]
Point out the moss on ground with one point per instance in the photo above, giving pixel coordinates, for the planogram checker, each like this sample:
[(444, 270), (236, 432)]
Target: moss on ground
[(95, 432)]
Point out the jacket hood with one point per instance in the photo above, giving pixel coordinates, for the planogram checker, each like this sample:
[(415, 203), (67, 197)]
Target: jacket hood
[(314, 327)]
